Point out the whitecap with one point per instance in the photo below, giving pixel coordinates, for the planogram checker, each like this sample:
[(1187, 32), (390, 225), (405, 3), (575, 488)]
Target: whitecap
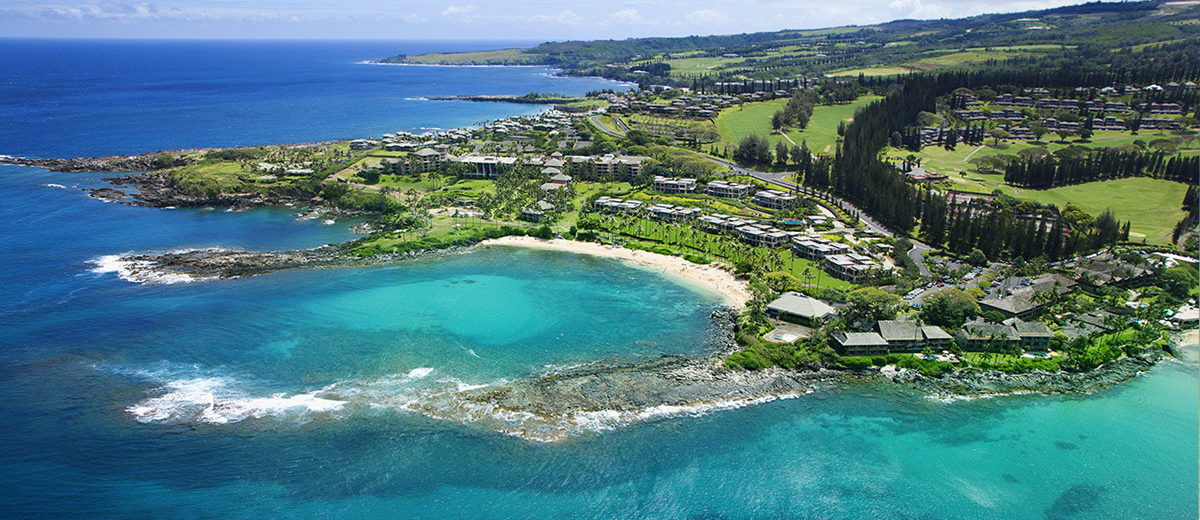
[(53, 185), (419, 373), (138, 271), (215, 400)]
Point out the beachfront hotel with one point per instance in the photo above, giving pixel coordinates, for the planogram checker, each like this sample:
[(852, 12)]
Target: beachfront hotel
[(728, 190)]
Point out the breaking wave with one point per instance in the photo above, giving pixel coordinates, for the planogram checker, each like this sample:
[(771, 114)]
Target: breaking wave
[(139, 271), (196, 397)]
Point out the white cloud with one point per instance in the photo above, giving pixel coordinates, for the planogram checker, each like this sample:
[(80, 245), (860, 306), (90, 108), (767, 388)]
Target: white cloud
[(459, 11), (626, 16), (567, 17), (919, 10), (706, 16)]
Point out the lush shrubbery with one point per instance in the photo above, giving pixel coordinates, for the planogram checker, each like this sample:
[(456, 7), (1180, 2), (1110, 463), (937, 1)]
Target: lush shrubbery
[(235, 154), (805, 353), (363, 200), (388, 243), (1021, 364), (857, 362), (927, 367)]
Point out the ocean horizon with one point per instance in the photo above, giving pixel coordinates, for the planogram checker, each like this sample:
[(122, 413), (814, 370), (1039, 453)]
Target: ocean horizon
[(68, 98)]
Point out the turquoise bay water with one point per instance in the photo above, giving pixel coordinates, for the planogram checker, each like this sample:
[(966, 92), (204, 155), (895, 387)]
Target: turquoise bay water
[(326, 393), (297, 395)]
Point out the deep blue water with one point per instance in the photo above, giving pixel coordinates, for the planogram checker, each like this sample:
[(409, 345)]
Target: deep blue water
[(93, 97), (323, 393)]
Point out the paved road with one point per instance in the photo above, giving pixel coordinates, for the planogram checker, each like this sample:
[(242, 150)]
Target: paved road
[(595, 120), (780, 179)]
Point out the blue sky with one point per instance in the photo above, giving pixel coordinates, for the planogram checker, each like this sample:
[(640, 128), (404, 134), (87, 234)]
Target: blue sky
[(468, 19)]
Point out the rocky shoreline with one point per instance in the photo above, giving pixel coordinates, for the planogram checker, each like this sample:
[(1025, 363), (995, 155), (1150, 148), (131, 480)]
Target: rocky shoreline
[(110, 163), (554, 405), (969, 383), (679, 384), (688, 383), (160, 191), (224, 264)]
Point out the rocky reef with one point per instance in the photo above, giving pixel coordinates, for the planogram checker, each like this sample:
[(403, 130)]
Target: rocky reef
[(970, 382)]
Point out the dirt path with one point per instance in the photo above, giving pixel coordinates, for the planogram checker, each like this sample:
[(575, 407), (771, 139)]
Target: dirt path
[(968, 157)]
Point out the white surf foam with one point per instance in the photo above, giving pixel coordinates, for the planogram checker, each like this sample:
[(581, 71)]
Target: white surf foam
[(953, 398), (215, 400), (53, 185), (196, 397), (419, 373), (140, 271)]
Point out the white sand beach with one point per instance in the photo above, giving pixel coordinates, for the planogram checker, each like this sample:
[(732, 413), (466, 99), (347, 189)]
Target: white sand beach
[(735, 292)]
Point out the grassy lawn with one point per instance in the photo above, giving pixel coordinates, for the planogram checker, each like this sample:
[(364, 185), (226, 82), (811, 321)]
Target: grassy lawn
[(586, 104), (695, 66), (714, 204), (502, 56), (227, 175), (955, 162), (821, 133), (1151, 204), (584, 190), (966, 58), (873, 71), (734, 123), (994, 357), (681, 240), (607, 123)]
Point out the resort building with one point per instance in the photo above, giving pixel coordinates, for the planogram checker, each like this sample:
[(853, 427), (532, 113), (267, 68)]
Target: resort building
[(860, 343), (362, 144), (936, 338), (1034, 335), (674, 185), (1024, 302), (762, 235), (614, 166), (670, 212), (721, 223), (907, 336), (428, 158), (728, 190), (851, 267), (400, 147), (775, 199), (982, 335), (615, 205), (795, 307), (536, 212), (816, 247), (485, 166), (901, 335)]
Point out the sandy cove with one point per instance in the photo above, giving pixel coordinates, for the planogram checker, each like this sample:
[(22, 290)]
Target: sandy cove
[(734, 291)]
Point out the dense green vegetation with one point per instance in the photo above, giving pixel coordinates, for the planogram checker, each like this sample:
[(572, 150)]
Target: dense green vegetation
[(884, 49)]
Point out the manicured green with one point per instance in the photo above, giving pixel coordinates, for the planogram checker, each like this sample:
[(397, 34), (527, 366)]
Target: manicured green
[(1153, 205), (498, 57), (874, 71), (736, 122)]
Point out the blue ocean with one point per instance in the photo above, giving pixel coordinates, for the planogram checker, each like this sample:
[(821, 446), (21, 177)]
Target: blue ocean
[(324, 393)]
